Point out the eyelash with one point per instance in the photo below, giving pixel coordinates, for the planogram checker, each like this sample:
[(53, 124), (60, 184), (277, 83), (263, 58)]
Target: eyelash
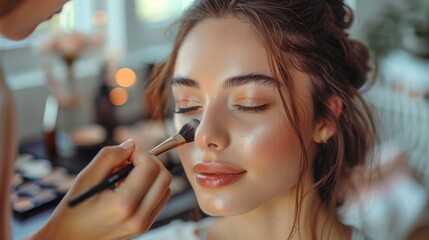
[(186, 110), (255, 109)]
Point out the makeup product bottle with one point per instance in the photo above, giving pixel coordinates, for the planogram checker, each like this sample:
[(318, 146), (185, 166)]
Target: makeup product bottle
[(104, 109), (50, 117)]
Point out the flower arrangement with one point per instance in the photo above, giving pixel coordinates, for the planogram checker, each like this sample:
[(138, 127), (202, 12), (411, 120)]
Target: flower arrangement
[(69, 46)]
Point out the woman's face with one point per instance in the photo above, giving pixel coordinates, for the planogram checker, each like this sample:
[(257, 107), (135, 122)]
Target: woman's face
[(245, 153), (26, 16)]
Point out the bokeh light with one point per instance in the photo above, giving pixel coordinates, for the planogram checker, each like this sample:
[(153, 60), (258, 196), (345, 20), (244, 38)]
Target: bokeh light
[(99, 18), (125, 77), (118, 96)]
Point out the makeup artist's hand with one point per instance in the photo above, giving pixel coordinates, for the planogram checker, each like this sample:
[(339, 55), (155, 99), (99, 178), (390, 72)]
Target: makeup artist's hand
[(122, 213)]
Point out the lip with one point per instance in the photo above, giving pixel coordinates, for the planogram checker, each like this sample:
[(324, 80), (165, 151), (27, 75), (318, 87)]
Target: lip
[(216, 175)]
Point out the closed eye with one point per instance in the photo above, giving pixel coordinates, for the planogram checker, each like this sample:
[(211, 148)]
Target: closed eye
[(187, 110), (253, 109)]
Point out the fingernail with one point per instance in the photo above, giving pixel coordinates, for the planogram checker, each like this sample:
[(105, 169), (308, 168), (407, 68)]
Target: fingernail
[(127, 144)]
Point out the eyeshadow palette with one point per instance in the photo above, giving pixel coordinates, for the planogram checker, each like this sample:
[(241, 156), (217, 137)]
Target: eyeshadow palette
[(37, 186)]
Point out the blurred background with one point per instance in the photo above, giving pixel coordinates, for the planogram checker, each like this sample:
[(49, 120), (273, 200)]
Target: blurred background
[(78, 82)]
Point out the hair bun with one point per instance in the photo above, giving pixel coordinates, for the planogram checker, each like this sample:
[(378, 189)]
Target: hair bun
[(357, 57), (342, 13), (355, 53)]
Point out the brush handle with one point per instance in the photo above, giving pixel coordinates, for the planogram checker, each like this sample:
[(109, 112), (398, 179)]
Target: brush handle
[(108, 183)]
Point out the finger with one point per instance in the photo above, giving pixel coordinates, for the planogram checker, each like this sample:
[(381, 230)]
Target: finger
[(161, 204), (140, 180), (118, 168), (107, 159), (156, 193), (142, 223)]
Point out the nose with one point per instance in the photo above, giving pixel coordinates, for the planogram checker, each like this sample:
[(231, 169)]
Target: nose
[(212, 133)]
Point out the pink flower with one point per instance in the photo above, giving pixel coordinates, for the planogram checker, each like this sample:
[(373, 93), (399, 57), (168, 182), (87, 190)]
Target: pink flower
[(69, 46)]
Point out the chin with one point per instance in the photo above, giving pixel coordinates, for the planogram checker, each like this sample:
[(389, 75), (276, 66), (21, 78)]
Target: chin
[(17, 34), (15, 37), (222, 206)]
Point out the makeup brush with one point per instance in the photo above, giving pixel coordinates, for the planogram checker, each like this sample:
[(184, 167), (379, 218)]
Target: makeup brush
[(185, 135)]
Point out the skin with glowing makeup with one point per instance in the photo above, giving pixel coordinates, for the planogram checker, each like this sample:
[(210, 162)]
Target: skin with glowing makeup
[(246, 157)]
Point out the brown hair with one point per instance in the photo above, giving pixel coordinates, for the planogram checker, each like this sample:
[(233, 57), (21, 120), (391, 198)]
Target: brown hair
[(313, 33), (7, 6)]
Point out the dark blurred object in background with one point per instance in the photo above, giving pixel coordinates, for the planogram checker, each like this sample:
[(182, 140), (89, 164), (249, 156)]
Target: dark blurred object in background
[(104, 109)]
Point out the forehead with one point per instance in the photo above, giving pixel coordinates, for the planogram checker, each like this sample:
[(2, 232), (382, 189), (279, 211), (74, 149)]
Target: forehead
[(227, 43), (219, 48)]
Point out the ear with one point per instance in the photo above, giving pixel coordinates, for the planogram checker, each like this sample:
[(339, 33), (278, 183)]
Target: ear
[(325, 129)]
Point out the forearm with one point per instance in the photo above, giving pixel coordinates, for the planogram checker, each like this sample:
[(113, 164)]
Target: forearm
[(7, 155)]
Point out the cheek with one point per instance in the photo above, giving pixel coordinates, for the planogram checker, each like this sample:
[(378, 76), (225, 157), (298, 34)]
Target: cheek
[(273, 151), (273, 160), (188, 157), (266, 140)]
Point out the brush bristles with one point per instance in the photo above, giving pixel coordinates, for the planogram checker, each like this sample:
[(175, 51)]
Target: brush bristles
[(188, 130)]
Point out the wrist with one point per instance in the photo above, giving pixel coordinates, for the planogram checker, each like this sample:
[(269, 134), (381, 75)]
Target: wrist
[(40, 234), (46, 232)]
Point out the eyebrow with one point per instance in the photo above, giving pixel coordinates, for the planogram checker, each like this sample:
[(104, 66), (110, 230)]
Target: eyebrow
[(252, 78)]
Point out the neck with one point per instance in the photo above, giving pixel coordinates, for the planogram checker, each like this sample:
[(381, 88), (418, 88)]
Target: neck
[(276, 220)]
